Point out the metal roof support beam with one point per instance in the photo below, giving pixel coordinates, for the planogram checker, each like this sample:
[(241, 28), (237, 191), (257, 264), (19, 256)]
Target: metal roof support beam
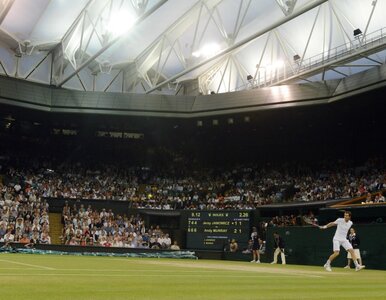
[(364, 51), (223, 74), (341, 73), (309, 38), (241, 71), (77, 20), (5, 7), (262, 55), (147, 59), (205, 80), (374, 4), (5, 71), (37, 66), (341, 27), (112, 81), (352, 66), (81, 82), (238, 23), (284, 48), (372, 59), (243, 42), (287, 6), (109, 44)]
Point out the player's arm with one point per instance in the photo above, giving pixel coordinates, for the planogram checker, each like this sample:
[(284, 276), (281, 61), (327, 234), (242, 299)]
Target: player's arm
[(331, 224)]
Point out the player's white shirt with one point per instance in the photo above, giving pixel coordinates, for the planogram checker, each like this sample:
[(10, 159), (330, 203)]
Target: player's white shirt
[(342, 229)]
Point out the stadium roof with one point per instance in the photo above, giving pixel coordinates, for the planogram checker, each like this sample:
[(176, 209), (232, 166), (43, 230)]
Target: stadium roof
[(188, 47)]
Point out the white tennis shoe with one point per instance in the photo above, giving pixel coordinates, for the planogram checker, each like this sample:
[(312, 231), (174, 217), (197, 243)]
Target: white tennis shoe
[(358, 268), (327, 267)]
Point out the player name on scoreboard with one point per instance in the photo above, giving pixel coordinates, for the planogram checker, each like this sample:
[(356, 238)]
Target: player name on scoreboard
[(213, 230)]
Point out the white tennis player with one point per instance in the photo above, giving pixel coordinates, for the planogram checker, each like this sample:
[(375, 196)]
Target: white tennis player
[(340, 239)]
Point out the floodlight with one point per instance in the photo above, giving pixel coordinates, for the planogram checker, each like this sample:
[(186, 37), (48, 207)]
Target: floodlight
[(296, 57), (207, 51), (357, 32), (120, 23), (278, 64), (105, 67)]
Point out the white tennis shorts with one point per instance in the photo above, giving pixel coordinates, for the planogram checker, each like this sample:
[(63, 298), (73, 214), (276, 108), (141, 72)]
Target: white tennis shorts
[(344, 243), (357, 254)]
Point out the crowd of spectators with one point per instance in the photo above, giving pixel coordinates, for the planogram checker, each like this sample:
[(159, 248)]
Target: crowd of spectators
[(89, 227), (23, 216), (238, 187), (292, 220), (377, 198)]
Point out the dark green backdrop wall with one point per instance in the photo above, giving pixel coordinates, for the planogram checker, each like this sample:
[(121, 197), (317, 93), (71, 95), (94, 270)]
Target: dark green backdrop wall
[(312, 246)]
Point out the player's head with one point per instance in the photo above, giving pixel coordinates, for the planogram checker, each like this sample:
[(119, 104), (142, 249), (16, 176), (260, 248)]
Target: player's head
[(352, 230), (347, 215)]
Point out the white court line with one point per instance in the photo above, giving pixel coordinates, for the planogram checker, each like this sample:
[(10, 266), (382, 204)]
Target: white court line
[(231, 268), (158, 273), (132, 270), (118, 270), (180, 271), (149, 275), (23, 269), (28, 265), (165, 273)]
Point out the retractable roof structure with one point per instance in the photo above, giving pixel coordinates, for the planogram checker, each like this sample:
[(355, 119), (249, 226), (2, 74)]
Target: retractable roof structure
[(188, 47)]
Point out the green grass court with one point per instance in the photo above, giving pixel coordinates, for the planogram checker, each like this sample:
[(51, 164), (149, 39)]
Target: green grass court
[(26, 276)]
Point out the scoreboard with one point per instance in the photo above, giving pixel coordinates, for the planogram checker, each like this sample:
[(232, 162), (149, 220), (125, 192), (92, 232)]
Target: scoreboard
[(212, 230)]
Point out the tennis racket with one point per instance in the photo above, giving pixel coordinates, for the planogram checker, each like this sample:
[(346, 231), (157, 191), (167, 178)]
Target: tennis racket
[(310, 222)]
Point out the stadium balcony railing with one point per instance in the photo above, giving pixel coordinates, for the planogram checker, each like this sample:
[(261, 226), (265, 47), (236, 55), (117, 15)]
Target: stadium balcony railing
[(359, 201)]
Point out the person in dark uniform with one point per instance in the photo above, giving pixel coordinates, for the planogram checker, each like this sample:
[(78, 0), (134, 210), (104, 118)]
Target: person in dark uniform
[(355, 242), (278, 245), (255, 246)]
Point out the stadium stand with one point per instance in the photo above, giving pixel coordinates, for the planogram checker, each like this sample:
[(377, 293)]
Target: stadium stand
[(242, 187)]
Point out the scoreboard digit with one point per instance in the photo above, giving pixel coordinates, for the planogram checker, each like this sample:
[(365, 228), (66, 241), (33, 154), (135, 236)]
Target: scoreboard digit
[(212, 230)]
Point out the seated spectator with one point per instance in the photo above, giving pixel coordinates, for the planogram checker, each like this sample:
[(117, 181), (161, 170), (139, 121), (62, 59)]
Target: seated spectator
[(175, 246), (261, 246), (8, 237), (248, 250), (233, 246), (369, 198), (379, 198), (45, 238), (154, 244), (165, 241), (24, 239)]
